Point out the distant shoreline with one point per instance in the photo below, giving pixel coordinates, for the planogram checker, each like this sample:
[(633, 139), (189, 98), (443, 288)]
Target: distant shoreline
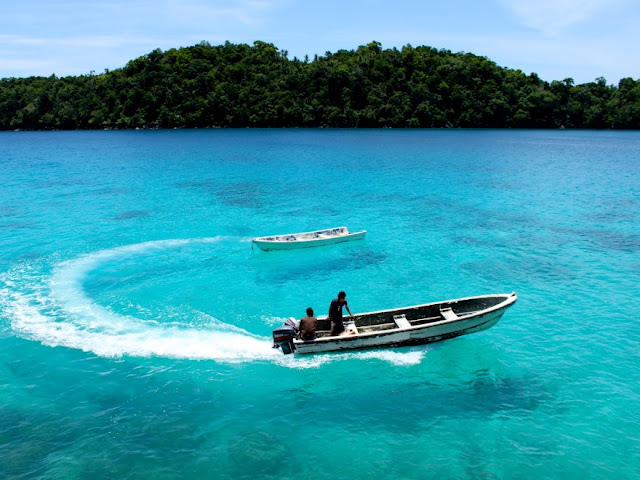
[(258, 86)]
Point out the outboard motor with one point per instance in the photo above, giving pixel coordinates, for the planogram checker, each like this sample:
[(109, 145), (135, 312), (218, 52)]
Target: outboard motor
[(283, 336)]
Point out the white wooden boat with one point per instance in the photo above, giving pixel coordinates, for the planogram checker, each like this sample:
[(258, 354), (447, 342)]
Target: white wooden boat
[(316, 238), (420, 324)]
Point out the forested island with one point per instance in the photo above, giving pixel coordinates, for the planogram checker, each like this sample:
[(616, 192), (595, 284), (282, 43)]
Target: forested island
[(240, 85)]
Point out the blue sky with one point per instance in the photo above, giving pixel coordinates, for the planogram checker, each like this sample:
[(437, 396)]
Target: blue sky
[(557, 39)]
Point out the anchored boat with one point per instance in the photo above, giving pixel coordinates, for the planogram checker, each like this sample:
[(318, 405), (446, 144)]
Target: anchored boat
[(400, 327), (316, 238)]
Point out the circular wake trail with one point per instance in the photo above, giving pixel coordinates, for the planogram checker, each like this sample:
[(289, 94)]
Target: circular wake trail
[(56, 311)]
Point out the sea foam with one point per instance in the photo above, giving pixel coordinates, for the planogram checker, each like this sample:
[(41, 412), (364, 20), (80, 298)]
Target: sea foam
[(55, 310)]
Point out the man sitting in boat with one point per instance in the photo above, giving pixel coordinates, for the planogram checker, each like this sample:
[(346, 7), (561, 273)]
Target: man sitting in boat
[(335, 313), (308, 326)]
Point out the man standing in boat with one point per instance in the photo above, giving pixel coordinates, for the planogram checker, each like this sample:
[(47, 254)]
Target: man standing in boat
[(335, 313)]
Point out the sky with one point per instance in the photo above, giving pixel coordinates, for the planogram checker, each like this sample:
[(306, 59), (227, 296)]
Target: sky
[(556, 39)]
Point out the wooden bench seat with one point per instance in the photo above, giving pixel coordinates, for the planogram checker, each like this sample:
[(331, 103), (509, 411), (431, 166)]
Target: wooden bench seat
[(449, 314), (401, 321)]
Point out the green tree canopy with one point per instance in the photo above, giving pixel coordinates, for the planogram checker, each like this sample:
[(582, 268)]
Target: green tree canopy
[(240, 85)]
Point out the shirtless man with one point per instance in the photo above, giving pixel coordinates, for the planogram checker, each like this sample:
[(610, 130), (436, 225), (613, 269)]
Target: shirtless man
[(308, 326)]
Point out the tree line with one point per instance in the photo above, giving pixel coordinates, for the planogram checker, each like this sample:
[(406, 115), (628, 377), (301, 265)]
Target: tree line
[(240, 85)]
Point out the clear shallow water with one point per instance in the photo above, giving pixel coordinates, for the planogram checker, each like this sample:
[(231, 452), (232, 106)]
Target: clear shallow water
[(135, 318)]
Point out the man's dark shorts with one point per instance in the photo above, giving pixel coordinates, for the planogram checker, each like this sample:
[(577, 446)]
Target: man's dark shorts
[(337, 328)]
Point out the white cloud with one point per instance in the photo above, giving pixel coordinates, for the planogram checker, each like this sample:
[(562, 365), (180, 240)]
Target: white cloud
[(82, 41), (551, 17), (246, 12)]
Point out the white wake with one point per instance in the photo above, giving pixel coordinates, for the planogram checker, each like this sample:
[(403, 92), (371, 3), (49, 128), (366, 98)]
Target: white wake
[(56, 311)]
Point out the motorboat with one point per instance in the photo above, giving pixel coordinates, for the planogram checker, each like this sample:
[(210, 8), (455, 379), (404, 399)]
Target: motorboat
[(316, 238), (400, 327)]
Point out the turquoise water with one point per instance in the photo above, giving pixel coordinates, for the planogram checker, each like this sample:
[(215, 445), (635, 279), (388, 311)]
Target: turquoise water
[(135, 318)]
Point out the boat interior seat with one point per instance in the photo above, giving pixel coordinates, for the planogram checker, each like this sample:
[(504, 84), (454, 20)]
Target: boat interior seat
[(401, 321), (449, 314)]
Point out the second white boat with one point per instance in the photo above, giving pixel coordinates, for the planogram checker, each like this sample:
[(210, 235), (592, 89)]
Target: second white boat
[(316, 238)]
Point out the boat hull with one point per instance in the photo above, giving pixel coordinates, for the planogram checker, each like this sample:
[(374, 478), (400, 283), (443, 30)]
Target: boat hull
[(431, 332)]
